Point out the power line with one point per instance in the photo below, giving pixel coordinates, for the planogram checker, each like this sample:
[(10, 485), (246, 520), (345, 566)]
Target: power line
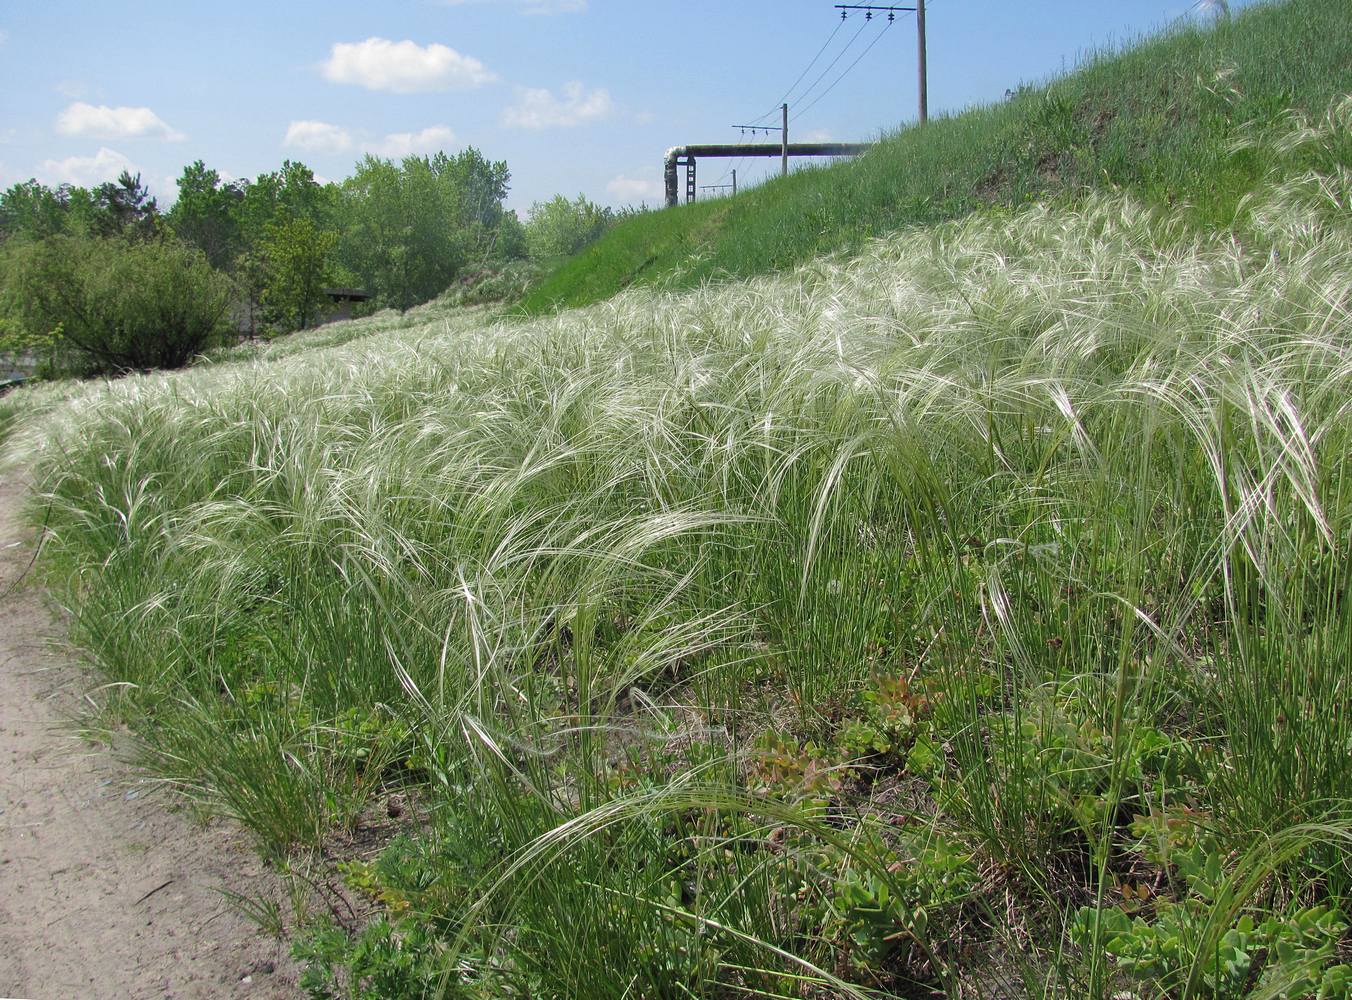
[(853, 38), (922, 46), (767, 129), (806, 69), (867, 49), (845, 9), (870, 9)]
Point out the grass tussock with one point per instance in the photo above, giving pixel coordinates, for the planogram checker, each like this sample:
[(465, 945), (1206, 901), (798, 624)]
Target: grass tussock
[(965, 618)]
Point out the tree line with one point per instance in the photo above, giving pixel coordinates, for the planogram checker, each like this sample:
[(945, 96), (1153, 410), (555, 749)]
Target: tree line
[(98, 280)]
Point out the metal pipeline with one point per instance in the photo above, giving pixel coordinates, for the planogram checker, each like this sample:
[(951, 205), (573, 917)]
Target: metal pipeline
[(689, 154)]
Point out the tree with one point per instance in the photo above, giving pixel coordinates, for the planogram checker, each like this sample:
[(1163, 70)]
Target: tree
[(410, 228), (30, 210), (207, 215), (560, 227), (289, 193), (476, 188), (298, 264), (104, 305), (82, 214), (126, 208), (250, 271), (405, 230), (510, 243), (400, 237), (285, 240)]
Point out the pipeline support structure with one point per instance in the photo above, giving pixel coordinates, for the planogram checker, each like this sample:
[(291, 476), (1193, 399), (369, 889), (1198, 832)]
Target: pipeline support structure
[(686, 156)]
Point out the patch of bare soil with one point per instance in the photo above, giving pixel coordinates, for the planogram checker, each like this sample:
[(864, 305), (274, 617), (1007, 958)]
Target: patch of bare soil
[(104, 891)]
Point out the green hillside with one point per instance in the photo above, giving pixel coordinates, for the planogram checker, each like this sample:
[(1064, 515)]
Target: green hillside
[(1158, 120), (963, 616)]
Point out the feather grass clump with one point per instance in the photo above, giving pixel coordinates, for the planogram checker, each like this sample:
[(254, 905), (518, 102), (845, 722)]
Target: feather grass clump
[(772, 638)]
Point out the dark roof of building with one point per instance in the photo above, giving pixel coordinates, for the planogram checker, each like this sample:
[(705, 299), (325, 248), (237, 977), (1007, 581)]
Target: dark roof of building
[(360, 294)]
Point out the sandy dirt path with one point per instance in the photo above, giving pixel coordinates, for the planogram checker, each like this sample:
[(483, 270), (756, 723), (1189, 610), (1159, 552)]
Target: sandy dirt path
[(105, 891)]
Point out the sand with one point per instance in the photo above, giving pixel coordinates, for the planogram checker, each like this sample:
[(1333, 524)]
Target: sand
[(108, 888)]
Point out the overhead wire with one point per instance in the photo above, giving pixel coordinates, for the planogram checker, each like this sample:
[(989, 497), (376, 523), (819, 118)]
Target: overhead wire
[(737, 164), (806, 69), (846, 73), (867, 49), (740, 162), (839, 55)]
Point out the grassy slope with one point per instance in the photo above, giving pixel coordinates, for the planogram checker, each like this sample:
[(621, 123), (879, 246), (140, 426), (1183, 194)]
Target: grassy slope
[(1157, 120), (890, 620), (909, 617)]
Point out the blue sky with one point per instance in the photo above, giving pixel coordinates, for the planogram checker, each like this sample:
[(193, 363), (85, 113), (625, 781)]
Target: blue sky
[(576, 95)]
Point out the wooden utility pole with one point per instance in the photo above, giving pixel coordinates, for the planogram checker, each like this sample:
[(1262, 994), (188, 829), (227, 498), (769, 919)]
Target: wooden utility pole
[(892, 11), (924, 74), (784, 143), (734, 182)]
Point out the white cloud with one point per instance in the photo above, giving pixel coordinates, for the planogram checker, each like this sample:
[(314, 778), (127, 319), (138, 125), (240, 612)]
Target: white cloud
[(814, 135), (86, 171), (403, 67), (397, 145), (539, 108), (102, 122), (324, 137), (632, 189), (168, 184), (317, 137)]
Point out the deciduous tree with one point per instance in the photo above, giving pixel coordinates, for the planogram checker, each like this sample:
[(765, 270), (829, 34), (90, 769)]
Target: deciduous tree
[(207, 213), (299, 263), (559, 227)]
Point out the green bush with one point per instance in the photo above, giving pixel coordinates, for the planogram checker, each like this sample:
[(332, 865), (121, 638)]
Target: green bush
[(559, 227), (494, 283), (88, 306)]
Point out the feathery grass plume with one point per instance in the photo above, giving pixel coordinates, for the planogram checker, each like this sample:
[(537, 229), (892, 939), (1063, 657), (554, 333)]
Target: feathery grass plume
[(996, 574)]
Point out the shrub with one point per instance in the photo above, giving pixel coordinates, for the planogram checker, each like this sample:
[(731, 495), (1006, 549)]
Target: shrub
[(560, 227), (494, 283), (88, 305)]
